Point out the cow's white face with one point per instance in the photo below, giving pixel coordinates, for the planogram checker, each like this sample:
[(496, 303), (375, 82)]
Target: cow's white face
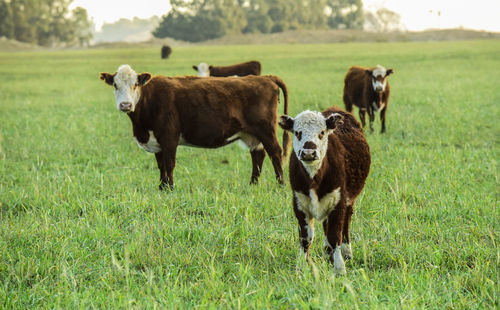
[(203, 69), (379, 78), (310, 140), (127, 84)]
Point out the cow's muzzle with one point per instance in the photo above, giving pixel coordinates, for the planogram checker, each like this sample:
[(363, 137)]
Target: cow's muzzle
[(308, 155), (125, 106)]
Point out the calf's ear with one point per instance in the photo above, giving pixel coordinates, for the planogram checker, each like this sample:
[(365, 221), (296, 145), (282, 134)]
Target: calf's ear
[(195, 68), (106, 77), (286, 122), (369, 72), (143, 78), (389, 72), (210, 67), (334, 120)]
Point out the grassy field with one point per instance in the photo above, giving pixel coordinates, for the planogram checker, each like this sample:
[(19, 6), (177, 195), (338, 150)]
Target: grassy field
[(83, 225)]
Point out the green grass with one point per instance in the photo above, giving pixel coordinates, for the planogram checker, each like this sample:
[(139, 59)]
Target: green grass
[(82, 224)]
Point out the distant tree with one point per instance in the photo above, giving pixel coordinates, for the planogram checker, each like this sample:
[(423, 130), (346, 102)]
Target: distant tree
[(345, 14), (81, 24), (383, 20), (43, 22), (6, 20)]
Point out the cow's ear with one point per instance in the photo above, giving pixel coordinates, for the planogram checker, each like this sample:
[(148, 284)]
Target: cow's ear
[(286, 122), (334, 120), (210, 67), (108, 78), (389, 72), (143, 78), (195, 68), (369, 72)]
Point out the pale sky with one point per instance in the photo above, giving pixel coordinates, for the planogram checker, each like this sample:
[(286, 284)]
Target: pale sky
[(415, 14)]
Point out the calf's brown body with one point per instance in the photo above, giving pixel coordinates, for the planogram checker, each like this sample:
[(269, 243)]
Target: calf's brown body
[(243, 69), (210, 113), (358, 91), (343, 171)]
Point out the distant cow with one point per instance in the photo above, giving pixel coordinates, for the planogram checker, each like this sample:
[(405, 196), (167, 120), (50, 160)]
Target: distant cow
[(328, 168), (243, 69), (209, 113), (368, 89), (165, 51)]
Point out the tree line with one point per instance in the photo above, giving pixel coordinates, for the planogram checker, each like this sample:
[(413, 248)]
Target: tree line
[(199, 20), (44, 22)]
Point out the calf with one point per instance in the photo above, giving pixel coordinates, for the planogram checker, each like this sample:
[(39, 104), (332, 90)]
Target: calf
[(328, 168), (209, 113), (243, 69), (368, 89), (165, 51)]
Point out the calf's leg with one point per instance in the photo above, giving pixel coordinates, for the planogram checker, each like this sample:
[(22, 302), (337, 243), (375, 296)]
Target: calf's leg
[(166, 164), (257, 160), (382, 119), (333, 232), (372, 118), (362, 117), (346, 241), (306, 230), (267, 135)]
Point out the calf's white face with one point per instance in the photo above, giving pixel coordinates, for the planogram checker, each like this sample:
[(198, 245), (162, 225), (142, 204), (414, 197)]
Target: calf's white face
[(203, 69), (310, 140), (127, 84), (379, 77)]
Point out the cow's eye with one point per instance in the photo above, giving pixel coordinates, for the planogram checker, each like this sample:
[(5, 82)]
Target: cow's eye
[(114, 84), (298, 134), (321, 135)]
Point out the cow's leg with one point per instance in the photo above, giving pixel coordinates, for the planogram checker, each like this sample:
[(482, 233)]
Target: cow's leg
[(258, 156), (306, 230), (346, 240), (382, 119), (362, 117), (267, 135), (333, 232), (371, 114)]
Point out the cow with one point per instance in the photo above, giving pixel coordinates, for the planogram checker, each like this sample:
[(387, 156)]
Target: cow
[(243, 69), (209, 113), (165, 51), (328, 168), (368, 89)]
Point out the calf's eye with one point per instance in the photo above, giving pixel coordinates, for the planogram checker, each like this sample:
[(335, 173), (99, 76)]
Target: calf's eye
[(320, 136), (298, 134), (114, 84)]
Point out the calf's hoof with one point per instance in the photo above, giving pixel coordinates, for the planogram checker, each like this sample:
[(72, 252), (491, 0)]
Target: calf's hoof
[(338, 262), (346, 250), (164, 186)]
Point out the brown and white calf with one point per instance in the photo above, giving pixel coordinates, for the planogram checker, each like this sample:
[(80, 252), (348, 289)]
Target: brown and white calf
[(328, 168), (243, 69), (170, 111), (369, 90)]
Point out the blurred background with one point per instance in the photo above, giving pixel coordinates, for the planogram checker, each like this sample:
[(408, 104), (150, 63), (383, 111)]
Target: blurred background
[(83, 23)]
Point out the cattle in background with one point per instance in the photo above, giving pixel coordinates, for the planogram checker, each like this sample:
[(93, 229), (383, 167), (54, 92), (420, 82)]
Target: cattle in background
[(368, 89), (165, 51), (243, 69), (208, 113), (328, 168)]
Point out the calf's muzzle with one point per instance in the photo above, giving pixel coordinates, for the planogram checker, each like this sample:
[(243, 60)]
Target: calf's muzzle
[(125, 106), (308, 155)]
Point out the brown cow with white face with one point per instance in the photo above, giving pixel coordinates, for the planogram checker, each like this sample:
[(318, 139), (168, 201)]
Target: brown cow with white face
[(328, 168), (369, 90), (209, 113), (242, 69)]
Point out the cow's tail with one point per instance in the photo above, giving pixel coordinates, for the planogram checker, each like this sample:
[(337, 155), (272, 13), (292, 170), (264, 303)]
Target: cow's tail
[(286, 135)]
